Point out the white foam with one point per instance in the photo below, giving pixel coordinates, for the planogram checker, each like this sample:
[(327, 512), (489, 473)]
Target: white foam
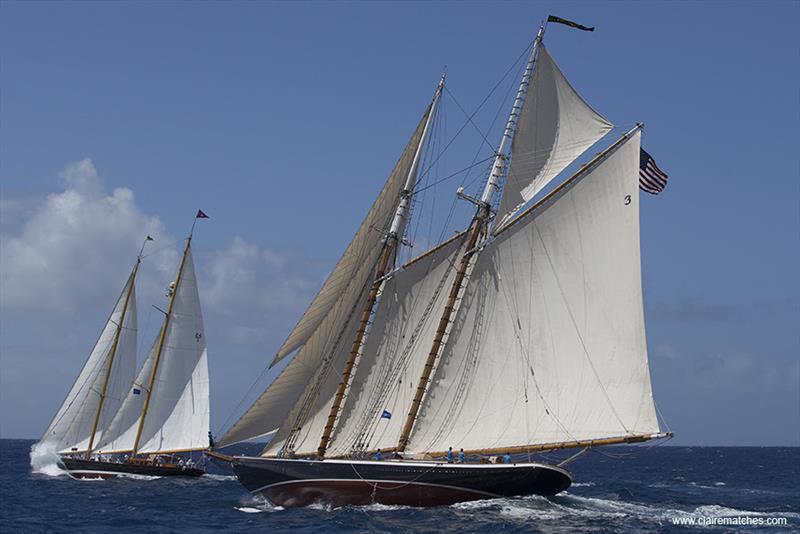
[(249, 509), (219, 477), (582, 484), (257, 504), (45, 460)]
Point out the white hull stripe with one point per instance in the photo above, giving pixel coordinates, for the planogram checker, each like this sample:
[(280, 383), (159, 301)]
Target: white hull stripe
[(401, 484)]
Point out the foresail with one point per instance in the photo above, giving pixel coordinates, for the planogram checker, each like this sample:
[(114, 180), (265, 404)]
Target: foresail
[(555, 127), (71, 427), (349, 275), (549, 343), (178, 414), (329, 314), (121, 433)]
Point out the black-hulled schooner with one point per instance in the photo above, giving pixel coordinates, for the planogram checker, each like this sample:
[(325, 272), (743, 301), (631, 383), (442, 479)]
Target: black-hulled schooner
[(114, 422), (524, 333)]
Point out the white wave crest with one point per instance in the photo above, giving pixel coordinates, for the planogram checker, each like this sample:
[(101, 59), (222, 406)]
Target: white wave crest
[(256, 505), (219, 477), (45, 460)]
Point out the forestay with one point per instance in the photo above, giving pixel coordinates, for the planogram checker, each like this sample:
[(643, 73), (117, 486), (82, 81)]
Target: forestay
[(71, 427), (555, 127), (329, 313), (549, 343)]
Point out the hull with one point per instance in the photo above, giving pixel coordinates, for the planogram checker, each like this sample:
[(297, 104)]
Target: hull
[(81, 468), (293, 483)]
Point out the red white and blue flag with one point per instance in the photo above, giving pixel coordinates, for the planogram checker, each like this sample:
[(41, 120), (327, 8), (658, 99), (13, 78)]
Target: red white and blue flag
[(651, 179)]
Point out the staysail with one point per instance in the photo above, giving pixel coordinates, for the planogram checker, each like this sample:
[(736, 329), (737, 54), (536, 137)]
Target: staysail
[(109, 363), (395, 352), (555, 127), (549, 344), (320, 330)]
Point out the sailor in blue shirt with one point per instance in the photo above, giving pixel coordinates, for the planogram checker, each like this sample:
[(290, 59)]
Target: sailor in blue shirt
[(450, 455), (461, 456), (378, 456), (506, 458)]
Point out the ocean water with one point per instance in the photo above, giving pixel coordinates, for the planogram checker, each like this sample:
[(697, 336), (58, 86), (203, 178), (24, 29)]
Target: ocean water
[(621, 489)]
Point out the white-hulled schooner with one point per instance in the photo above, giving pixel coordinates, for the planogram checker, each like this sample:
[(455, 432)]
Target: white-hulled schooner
[(114, 422), (523, 333)]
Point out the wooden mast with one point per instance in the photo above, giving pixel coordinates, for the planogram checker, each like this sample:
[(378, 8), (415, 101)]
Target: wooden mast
[(113, 352), (477, 229), (389, 246), (161, 340)]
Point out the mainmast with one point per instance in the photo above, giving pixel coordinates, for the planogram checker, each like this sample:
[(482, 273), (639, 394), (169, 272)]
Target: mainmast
[(388, 248), (161, 341), (478, 228), (113, 350)]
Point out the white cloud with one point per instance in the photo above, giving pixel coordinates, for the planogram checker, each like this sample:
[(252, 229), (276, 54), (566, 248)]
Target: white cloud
[(75, 244), (63, 262)]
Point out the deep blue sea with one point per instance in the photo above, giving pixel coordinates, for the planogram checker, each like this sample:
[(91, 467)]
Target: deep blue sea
[(621, 489)]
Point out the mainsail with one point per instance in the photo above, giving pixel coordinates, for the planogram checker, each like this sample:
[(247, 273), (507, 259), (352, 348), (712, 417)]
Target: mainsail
[(174, 378), (102, 383), (549, 345), (333, 310), (555, 127)]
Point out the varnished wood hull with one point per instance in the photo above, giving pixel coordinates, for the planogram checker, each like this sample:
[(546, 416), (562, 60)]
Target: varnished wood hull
[(82, 468), (295, 483)]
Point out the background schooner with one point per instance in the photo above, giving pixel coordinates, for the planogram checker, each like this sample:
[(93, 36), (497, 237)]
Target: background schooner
[(114, 422), (523, 333)]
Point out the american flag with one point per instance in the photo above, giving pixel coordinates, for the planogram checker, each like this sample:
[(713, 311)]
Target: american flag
[(651, 179)]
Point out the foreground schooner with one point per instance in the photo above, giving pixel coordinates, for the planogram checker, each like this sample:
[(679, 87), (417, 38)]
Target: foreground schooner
[(114, 423), (522, 334)]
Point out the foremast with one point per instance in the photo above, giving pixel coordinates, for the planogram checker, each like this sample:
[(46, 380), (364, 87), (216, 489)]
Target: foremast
[(477, 229), (161, 340), (389, 246), (112, 353)]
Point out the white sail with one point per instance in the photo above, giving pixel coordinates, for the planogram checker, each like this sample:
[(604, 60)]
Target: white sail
[(71, 428), (349, 275), (395, 352), (121, 433), (329, 313), (305, 421), (549, 344), (178, 415), (555, 126)]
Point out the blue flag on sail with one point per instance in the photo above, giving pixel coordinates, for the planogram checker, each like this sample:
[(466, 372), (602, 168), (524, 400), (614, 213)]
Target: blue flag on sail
[(137, 391), (386, 414), (651, 179)]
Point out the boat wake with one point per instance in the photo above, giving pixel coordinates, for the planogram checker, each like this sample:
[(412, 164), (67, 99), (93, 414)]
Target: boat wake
[(256, 504), (566, 507), (44, 461)]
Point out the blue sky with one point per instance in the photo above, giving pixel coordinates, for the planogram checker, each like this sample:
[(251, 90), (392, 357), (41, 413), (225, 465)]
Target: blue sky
[(281, 121)]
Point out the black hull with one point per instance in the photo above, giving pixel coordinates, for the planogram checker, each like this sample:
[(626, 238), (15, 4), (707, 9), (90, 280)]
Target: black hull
[(293, 483), (81, 468)]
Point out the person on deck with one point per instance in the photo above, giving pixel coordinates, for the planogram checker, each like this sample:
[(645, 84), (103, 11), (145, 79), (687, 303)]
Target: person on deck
[(506, 458), (450, 455), (461, 458), (378, 456)]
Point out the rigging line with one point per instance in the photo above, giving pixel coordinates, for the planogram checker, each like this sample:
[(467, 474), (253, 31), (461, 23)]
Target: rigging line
[(485, 99), (469, 118), (449, 176)]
